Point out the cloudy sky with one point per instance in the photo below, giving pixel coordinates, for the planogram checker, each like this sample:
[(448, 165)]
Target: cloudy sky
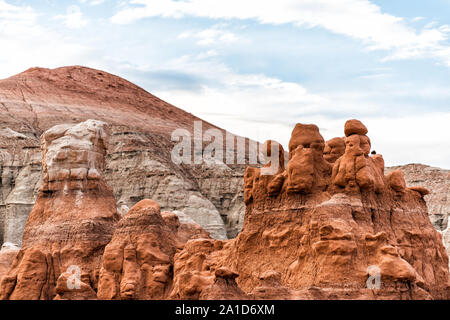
[(257, 67)]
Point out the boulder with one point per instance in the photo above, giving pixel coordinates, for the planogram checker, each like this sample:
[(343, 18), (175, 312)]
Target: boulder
[(355, 126)]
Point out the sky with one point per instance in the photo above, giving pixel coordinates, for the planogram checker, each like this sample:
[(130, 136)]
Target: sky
[(258, 67)]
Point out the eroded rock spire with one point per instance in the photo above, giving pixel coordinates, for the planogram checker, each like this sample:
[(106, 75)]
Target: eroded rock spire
[(72, 221)]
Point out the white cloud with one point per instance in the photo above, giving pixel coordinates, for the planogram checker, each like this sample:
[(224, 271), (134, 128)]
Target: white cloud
[(10, 12), (207, 54), (252, 105), (239, 102), (416, 19), (262, 107), (210, 36), (412, 138), (359, 19), (92, 2), (74, 18), (30, 44)]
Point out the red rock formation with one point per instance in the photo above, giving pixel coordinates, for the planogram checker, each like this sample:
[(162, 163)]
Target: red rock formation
[(307, 170), (334, 149), (355, 170), (75, 247), (195, 266), (312, 230), (436, 194), (224, 287), (326, 234), (183, 231), (270, 287), (72, 221), (138, 262), (8, 252)]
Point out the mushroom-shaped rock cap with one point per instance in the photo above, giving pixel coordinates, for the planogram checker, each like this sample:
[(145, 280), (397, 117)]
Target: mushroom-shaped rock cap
[(336, 143), (145, 204), (307, 135), (226, 273), (354, 127), (270, 275), (171, 219), (423, 191)]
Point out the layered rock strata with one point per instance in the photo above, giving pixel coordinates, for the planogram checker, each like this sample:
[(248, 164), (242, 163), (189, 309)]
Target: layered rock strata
[(72, 220), (326, 229), (138, 163)]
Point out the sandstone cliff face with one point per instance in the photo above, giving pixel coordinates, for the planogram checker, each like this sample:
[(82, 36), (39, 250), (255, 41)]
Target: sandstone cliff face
[(8, 252), (437, 181), (325, 229), (72, 220), (20, 174), (138, 164)]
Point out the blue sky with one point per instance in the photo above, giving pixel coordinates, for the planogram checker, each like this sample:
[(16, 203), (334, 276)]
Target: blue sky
[(256, 68)]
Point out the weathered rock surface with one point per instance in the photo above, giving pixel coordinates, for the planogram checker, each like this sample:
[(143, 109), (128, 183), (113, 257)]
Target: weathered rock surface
[(312, 230), (138, 262), (437, 182), (224, 287), (331, 231), (138, 163), (72, 220), (75, 246), (184, 228), (20, 174), (194, 268), (8, 252), (334, 149), (328, 216), (446, 239)]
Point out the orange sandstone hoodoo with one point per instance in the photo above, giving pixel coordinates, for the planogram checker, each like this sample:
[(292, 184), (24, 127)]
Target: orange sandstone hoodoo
[(330, 226), (138, 262), (72, 221)]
